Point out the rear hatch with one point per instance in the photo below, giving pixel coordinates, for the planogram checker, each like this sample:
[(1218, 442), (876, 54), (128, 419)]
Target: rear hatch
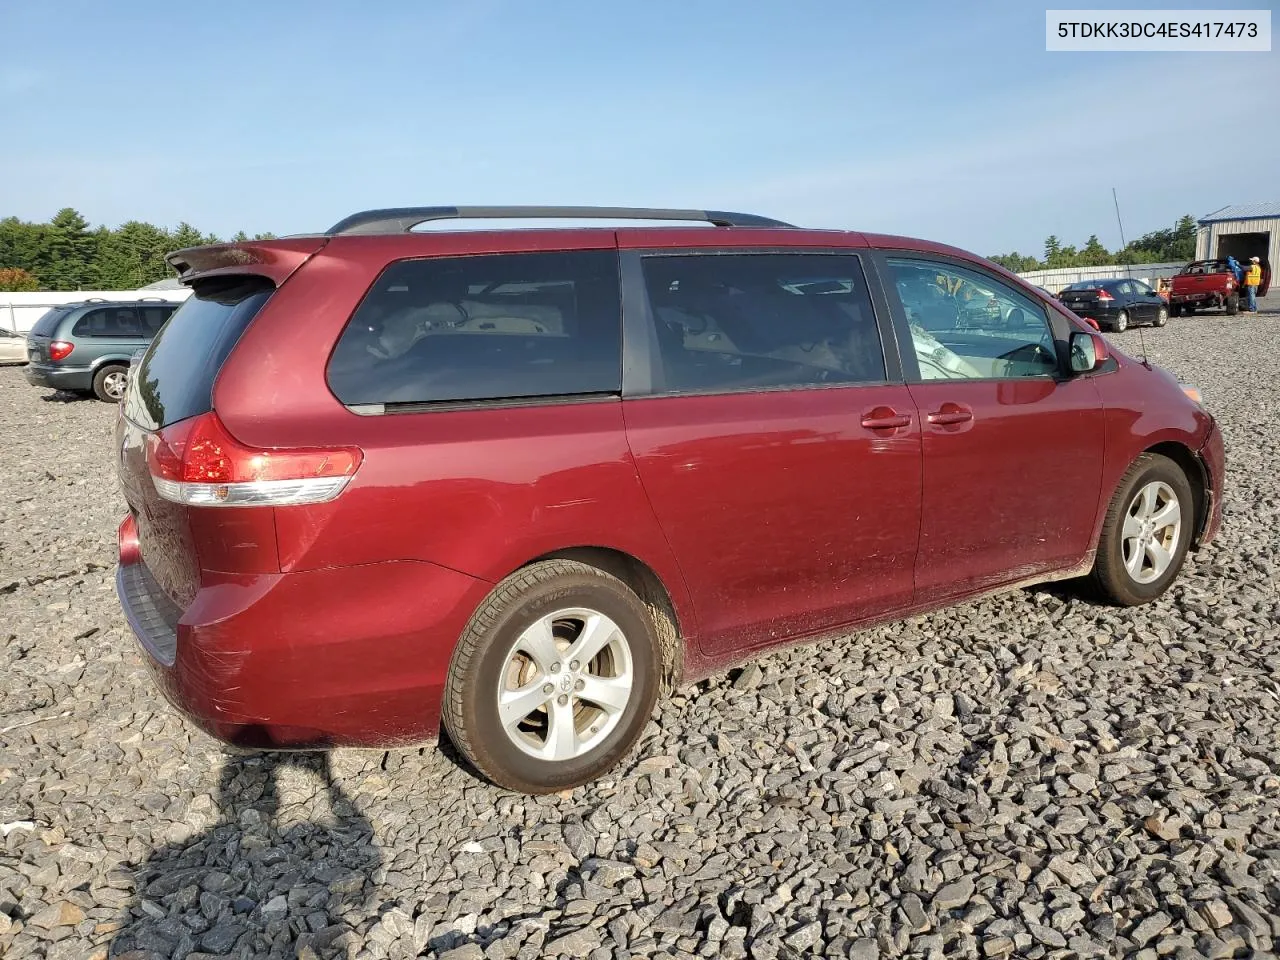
[(171, 384), (167, 422), (41, 335)]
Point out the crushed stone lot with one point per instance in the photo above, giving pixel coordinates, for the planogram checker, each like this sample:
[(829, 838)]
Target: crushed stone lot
[(1031, 776)]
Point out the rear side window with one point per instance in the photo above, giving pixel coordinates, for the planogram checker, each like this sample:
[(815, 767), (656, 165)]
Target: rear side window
[(48, 322), (494, 327), (729, 322), (174, 379), (109, 323)]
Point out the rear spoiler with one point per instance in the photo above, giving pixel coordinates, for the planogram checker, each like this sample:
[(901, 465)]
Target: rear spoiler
[(273, 259)]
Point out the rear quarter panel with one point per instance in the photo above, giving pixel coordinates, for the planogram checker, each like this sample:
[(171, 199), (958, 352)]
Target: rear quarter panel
[(480, 490)]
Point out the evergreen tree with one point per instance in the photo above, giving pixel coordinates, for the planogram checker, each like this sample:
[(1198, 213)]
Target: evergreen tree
[(1094, 253), (70, 253)]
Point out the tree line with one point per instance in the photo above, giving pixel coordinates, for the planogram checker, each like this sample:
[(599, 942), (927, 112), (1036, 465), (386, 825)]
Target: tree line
[(67, 254), (1159, 246)]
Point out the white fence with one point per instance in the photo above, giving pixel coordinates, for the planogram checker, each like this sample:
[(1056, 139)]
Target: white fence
[(20, 311), (1057, 278)]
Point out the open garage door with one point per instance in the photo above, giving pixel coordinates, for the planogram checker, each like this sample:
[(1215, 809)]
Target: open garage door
[(1242, 246)]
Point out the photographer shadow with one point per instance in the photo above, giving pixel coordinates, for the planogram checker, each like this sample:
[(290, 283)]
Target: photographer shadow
[(285, 871)]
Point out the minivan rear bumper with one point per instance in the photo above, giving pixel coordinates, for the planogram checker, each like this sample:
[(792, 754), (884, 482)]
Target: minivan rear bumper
[(59, 378), (344, 656)]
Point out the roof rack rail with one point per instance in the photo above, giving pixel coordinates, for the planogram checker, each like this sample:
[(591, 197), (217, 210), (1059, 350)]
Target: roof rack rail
[(404, 219)]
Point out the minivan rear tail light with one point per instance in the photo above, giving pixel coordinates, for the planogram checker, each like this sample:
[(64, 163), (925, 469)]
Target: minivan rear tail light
[(1103, 296), (198, 463), (60, 349)]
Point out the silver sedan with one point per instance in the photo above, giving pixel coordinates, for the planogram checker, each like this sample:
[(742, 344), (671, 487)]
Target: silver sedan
[(13, 346)]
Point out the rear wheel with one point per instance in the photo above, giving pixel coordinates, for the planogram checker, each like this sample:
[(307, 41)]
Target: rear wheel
[(1233, 305), (1122, 320), (1175, 310), (109, 383), (1146, 532), (1162, 317), (554, 678)]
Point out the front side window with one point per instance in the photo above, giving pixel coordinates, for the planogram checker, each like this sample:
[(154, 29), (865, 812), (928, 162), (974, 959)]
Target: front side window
[(491, 327), (729, 322), (966, 324), (108, 322)]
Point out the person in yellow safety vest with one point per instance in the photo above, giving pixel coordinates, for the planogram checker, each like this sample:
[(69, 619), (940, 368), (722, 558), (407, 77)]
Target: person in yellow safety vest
[(1253, 280)]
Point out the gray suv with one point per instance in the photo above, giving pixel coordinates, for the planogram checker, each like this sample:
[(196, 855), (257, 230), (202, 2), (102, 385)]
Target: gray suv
[(86, 347)]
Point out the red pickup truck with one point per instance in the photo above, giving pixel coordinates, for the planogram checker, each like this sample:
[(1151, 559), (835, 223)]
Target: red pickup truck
[(1210, 284)]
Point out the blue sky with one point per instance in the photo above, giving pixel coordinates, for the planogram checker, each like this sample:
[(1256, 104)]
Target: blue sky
[(942, 120)]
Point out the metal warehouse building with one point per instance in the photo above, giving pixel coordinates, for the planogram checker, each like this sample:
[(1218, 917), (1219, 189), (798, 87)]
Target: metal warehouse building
[(1242, 231)]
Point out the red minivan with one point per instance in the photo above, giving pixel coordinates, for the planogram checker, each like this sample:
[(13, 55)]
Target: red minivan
[(522, 481)]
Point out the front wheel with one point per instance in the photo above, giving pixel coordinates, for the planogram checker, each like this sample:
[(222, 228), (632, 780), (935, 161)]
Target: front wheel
[(554, 678), (1122, 321), (1146, 532), (110, 382), (1162, 317)]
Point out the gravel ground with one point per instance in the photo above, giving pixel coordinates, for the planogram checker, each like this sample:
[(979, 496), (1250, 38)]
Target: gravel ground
[(1028, 776)]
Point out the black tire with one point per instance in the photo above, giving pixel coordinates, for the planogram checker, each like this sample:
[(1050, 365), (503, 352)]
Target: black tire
[(470, 709), (109, 381), (1233, 305), (1110, 576), (1162, 317), (1121, 322), (1175, 310)]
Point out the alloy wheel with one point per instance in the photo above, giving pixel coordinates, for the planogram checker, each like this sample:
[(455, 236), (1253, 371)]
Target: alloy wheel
[(1149, 536), (114, 384), (565, 684)]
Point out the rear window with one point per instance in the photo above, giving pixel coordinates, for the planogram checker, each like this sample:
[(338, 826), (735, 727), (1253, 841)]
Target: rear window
[(499, 326), (1205, 267), (45, 326), (174, 379)]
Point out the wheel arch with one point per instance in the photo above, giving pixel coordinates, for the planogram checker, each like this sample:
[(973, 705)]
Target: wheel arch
[(111, 359), (653, 593), (1197, 476)]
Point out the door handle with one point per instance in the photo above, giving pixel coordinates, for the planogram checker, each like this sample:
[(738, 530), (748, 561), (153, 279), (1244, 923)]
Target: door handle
[(950, 413), (885, 418)]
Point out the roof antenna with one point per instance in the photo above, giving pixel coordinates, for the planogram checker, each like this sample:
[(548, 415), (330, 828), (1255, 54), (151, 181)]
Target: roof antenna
[(1128, 272)]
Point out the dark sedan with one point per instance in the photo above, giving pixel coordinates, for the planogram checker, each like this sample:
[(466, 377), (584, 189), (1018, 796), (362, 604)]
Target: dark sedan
[(1115, 303)]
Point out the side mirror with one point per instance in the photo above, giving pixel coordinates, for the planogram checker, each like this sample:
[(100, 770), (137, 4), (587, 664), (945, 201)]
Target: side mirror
[(1088, 350)]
